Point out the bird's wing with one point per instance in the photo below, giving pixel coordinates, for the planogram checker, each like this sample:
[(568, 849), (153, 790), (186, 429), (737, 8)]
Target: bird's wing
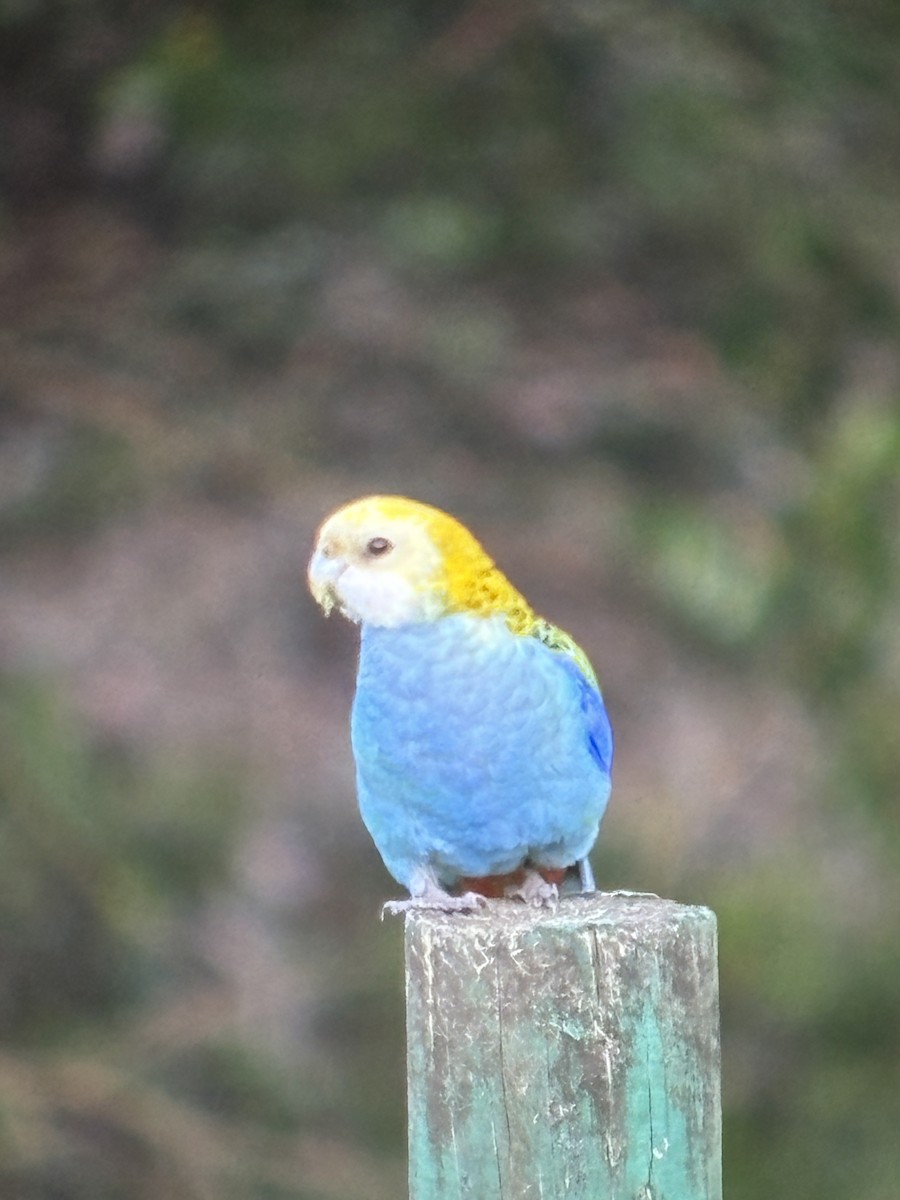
[(575, 662), (599, 729)]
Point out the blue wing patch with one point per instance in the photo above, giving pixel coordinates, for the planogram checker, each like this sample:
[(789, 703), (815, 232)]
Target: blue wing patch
[(599, 730), (572, 657)]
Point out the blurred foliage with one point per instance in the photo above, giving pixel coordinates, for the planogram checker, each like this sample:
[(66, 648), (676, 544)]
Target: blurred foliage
[(725, 170), (121, 1072)]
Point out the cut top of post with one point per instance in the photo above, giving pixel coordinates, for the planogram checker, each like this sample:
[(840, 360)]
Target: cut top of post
[(642, 911)]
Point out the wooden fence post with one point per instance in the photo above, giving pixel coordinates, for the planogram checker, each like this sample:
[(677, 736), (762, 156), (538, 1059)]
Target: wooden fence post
[(564, 1054)]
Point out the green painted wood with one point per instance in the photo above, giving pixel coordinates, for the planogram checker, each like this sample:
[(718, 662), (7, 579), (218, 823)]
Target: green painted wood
[(568, 1053)]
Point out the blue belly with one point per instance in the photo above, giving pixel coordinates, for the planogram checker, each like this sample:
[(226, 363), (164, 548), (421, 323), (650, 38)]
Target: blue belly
[(476, 749)]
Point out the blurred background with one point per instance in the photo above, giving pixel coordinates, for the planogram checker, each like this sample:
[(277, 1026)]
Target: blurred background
[(616, 283)]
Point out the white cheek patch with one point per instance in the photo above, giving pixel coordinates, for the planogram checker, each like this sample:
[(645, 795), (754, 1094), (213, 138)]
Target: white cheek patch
[(379, 597)]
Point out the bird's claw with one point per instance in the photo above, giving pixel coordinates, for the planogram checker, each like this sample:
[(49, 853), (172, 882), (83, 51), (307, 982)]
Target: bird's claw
[(535, 890)]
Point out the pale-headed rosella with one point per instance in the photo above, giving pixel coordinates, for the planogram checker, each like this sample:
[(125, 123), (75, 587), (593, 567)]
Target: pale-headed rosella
[(482, 745)]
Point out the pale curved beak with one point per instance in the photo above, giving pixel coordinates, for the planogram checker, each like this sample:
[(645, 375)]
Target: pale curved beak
[(323, 573)]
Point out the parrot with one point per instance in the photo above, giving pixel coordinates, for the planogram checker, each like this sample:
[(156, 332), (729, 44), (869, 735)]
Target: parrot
[(481, 740)]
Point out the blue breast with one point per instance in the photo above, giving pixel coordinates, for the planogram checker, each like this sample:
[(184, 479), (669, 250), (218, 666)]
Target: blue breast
[(476, 749)]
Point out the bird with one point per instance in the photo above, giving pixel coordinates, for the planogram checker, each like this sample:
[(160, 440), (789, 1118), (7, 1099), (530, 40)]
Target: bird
[(482, 744)]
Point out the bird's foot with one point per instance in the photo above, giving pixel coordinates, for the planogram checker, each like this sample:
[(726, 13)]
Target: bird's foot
[(535, 890), (435, 900)]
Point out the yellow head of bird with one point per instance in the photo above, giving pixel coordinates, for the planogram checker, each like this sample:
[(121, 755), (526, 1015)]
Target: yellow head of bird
[(387, 560)]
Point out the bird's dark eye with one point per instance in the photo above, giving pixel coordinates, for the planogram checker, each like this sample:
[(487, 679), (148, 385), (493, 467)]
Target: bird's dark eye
[(377, 546)]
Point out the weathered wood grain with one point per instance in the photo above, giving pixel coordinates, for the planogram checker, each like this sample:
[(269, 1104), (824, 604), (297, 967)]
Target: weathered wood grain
[(570, 1053)]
